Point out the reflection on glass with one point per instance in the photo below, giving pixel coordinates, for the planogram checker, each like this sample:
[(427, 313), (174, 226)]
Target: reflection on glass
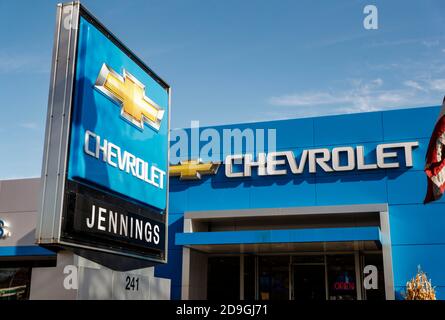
[(274, 277), (309, 282), (249, 277), (377, 261), (14, 283), (341, 277)]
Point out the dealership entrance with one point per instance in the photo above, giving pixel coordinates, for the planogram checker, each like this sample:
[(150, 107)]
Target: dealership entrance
[(305, 277), (316, 253)]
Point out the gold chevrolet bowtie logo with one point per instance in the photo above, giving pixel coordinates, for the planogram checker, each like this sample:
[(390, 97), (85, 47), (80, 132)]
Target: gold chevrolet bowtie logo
[(129, 93), (193, 169)]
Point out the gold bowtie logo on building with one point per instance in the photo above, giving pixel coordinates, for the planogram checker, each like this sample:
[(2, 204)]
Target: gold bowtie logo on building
[(129, 93), (193, 169)]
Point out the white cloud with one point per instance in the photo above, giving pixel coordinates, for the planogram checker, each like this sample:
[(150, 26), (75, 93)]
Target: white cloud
[(362, 96), (430, 43), (307, 99), (16, 63), (29, 125), (377, 82), (438, 85), (413, 84)]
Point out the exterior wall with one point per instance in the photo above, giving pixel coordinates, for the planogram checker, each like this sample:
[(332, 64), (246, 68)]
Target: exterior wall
[(47, 283), (196, 288), (416, 229), (18, 206), (94, 282)]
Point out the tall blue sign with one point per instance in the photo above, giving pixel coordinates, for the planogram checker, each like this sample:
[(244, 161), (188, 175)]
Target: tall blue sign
[(105, 167), (126, 152)]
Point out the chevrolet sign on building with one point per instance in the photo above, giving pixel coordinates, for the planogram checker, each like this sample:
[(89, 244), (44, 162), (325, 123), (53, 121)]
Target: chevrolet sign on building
[(308, 217), (274, 163), (105, 168)]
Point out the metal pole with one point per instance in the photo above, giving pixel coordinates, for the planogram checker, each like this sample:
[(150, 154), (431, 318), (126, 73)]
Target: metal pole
[(241, 277)]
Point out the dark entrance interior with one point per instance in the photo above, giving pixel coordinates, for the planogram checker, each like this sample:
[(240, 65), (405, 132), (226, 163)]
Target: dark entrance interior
[(223, 278), (310, 276), (309, 282)]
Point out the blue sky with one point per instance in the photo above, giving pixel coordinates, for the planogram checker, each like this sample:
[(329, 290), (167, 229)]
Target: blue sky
[(233, 61)]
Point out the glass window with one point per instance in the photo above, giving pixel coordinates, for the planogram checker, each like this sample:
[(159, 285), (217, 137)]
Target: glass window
[(249, 277), (309, 282), (274, 277), (341, 277), (14, 283), (377, 261), (319, 258), (308, 274)]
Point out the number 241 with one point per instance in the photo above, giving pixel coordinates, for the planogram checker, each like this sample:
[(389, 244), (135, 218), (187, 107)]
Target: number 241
[(132, 283)]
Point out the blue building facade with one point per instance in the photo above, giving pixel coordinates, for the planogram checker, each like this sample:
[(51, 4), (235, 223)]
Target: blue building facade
[(251, 214)]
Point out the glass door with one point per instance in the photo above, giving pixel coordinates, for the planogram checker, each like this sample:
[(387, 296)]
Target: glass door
[(341, 277), (273, 277), (223, 281), (309, 282)]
